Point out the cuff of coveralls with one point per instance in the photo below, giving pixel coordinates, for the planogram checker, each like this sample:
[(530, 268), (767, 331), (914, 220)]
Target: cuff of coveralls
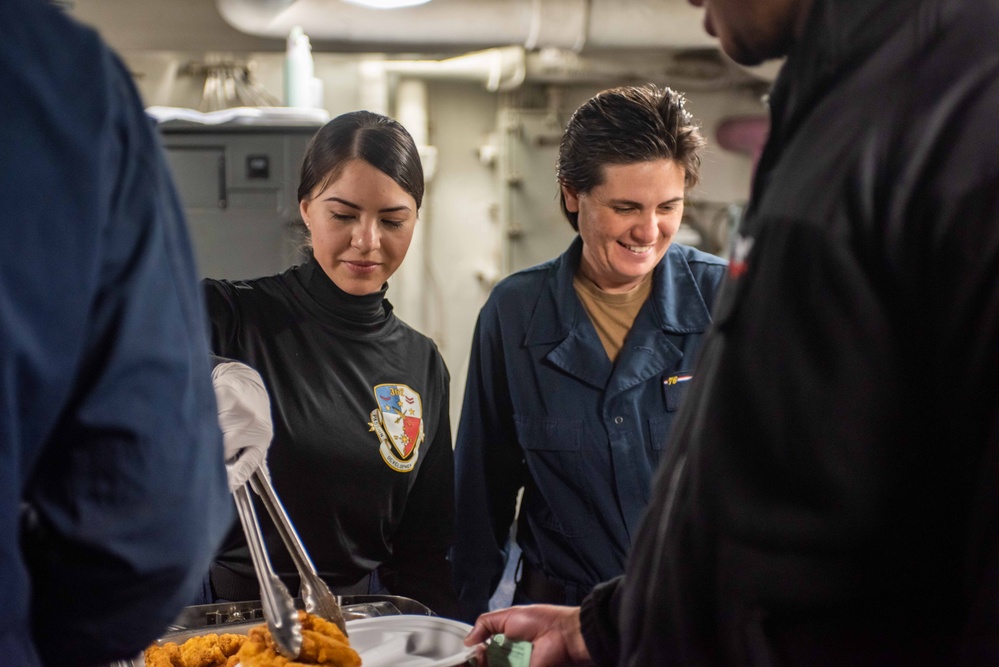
[(597, 623)]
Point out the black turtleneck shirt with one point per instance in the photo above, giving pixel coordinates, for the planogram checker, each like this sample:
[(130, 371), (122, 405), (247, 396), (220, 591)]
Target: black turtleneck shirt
[(361, 456)]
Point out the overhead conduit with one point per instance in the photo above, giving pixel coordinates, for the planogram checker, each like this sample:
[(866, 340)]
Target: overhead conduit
[(513, 41), (471, 24)]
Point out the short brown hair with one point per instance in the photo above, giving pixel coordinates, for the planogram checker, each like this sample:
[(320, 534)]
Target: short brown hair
[(624, 126)]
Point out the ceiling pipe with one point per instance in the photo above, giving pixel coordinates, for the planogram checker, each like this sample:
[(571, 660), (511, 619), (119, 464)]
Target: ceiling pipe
[(692, 70), (443, 24), (498, 69), (507, 68)]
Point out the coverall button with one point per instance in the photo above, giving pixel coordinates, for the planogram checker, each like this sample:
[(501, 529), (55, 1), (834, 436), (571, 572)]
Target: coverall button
[(618, 420)]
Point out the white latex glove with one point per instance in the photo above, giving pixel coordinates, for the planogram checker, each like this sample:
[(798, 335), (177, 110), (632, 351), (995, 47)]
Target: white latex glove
[(244, 417)]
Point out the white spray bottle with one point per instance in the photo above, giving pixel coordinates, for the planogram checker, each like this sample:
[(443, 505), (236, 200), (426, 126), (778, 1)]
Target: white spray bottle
[(298, 71)]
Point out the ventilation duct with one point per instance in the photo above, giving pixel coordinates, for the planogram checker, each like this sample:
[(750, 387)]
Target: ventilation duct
[(470, 24)]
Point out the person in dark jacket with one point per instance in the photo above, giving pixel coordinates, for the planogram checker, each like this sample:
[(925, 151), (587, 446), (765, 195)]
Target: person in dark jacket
[(578, 365), (362, 456), (113, 493), (832, 497)]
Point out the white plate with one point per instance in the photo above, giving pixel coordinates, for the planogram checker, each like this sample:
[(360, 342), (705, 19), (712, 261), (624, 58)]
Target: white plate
[(410, 641)]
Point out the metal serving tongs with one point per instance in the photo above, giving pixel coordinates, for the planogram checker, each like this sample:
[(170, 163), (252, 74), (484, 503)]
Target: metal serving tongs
[(314, 591), (279, 609)]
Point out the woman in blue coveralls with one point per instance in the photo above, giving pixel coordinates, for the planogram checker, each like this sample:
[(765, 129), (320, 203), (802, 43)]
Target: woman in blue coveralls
[(578, 365)]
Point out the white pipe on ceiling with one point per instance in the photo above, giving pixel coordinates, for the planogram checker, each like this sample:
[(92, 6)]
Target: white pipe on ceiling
[(534, 24), (501, 68)]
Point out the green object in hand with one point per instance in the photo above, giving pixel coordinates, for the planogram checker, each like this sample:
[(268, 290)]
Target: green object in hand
[(503, 652)]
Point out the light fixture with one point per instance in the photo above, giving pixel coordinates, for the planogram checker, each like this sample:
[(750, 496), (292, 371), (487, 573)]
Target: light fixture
[(386, 4)]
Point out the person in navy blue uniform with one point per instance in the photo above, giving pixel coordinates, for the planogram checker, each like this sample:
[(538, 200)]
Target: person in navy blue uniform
[(113, 494), (832, 495), (579, 365)]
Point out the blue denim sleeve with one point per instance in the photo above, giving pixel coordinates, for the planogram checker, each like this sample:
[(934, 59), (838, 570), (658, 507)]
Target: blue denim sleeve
[(489, 470), (115, 497)]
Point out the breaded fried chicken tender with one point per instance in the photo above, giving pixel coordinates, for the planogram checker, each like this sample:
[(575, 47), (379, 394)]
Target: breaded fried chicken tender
[(210, 650), (167, 655), (322, 644), (230, 644)]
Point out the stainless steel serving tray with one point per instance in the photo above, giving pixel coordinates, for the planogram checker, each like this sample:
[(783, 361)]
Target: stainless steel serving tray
[(239, 617)]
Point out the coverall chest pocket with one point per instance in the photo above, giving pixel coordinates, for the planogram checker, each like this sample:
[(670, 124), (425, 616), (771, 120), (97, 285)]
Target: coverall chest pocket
[(553, 452), (674, 388), (659, 431)]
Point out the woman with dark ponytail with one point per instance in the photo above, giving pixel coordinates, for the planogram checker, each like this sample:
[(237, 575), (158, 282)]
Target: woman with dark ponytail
[(362, 456)]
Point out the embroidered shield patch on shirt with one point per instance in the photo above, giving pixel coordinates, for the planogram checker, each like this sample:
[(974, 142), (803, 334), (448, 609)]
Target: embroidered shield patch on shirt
[(398, 423)]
